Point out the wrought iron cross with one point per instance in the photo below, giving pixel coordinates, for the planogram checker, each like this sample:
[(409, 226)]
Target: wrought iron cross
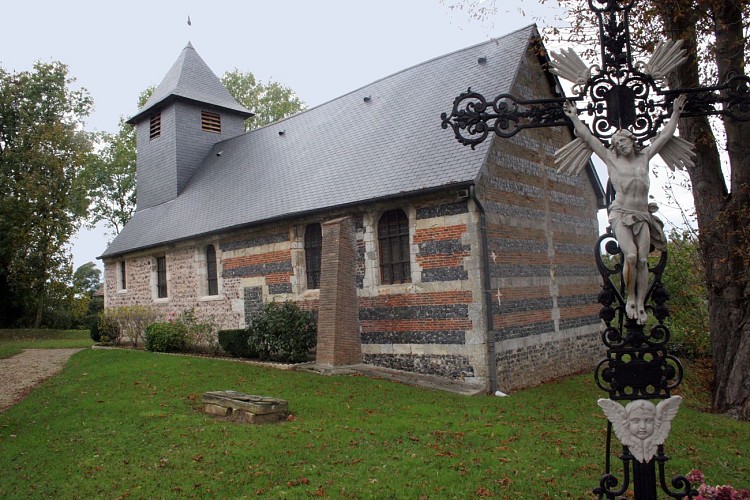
[(617, 94)]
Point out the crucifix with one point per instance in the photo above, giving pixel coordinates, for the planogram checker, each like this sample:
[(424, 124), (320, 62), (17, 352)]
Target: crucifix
[(631, 117)]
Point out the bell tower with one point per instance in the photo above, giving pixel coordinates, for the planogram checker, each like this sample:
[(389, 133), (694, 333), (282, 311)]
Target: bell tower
[(187, 114)]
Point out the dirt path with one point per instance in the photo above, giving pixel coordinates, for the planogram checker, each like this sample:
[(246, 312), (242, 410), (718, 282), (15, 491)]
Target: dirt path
[(22, 372)]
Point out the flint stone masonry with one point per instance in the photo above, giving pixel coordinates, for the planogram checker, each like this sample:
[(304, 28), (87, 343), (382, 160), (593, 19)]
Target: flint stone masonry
[(452, 367), (245, 408)]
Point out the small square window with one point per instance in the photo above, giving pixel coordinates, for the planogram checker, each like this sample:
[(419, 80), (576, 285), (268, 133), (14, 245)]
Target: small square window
[(211, 122)]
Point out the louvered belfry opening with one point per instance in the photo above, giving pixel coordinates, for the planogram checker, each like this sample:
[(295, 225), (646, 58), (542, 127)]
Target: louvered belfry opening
[(155, 126), (211, 122)]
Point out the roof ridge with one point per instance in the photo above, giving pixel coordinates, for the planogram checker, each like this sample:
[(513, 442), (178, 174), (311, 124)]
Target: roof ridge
[(423, 63)]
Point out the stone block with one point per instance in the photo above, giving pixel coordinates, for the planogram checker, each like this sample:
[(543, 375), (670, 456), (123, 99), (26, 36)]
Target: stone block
[(258, 405), (245, 408), (219, 411)]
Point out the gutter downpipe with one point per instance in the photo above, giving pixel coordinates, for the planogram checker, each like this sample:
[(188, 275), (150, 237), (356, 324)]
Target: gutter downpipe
[(486, 289)]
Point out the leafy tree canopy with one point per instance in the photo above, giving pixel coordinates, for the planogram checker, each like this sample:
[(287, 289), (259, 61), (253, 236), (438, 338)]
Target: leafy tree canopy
[(43, 192), (270, 101)]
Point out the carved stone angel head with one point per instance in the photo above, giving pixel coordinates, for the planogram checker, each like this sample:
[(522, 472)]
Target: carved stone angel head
[(641, 425)]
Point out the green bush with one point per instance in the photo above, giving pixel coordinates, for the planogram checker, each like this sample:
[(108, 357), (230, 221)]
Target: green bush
[(126, 321), (283, 332), (96, 335), (684, 279), (109, 329), (200, 331), (166, 337), (236, 343)]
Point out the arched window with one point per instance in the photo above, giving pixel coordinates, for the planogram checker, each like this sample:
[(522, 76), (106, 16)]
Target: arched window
[(393, 239), (211, 277), (313, 250)]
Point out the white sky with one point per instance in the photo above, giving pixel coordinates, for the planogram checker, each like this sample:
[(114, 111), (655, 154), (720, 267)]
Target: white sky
[(321, 49)]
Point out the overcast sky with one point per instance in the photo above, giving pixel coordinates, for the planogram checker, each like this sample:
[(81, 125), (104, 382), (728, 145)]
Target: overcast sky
[(321, 49)]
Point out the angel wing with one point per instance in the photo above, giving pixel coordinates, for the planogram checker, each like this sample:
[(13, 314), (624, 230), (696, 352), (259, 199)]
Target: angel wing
[(569, 66), (678, 153), (616, 414), (665, 411), (667, 56), (573, 157)]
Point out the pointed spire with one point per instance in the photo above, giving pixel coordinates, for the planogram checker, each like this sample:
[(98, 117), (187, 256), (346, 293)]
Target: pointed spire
[(190, 78)]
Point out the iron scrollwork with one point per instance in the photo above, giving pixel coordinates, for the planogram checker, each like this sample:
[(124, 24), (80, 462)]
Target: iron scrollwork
[(473, 118)]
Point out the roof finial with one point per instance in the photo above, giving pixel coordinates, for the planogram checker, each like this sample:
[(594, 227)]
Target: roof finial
[(189, 23)]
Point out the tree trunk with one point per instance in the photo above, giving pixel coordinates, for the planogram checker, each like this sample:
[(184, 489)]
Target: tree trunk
[(39, 309), (723, 218)]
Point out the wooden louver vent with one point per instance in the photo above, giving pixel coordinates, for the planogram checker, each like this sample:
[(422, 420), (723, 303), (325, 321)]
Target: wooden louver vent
[(155, 126), (211, 122)]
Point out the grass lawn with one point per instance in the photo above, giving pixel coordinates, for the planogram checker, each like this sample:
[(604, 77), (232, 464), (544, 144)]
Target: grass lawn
[(122, 423), (14, 341)]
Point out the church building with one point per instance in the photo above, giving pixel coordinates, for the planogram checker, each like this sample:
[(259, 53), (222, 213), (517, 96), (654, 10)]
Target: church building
[(418, 253)]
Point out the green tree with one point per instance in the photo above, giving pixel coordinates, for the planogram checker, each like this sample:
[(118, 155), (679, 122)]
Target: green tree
[(87, 279), (685, 280), (112, 175), (43, 194), (270, 101)]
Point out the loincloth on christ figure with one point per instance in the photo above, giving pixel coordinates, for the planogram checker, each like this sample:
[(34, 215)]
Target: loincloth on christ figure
[(636, 221)]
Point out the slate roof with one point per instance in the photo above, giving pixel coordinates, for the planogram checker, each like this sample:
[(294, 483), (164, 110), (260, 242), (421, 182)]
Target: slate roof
[(190, 78), (344, 152)]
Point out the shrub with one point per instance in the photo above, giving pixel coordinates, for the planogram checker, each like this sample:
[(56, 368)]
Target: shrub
[(684, 278), (109, 329), (166, 337), (94, 332), (283, 332), (236, 343), (201, 333), (130, 321)]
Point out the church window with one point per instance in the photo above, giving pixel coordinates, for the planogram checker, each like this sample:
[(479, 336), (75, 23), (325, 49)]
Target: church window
[(393, 239), (211, 122), (161, 277), (313, 250), (211, 274), (121, 283)]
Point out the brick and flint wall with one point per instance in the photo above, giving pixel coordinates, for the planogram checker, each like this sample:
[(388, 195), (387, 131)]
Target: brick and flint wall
[(542, 228), (433, 325)]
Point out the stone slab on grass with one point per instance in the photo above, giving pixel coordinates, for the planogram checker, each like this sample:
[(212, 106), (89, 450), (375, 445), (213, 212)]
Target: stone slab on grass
[(245, 408)]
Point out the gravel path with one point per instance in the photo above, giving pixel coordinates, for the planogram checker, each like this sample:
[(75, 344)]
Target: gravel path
[(22, 372)]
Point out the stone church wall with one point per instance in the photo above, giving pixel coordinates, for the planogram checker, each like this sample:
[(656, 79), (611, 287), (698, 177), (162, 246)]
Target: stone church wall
[(433, 324), (542, 228)]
